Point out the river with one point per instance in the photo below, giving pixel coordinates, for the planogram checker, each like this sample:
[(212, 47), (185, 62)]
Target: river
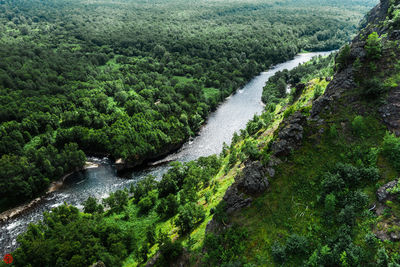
[(231, 116)]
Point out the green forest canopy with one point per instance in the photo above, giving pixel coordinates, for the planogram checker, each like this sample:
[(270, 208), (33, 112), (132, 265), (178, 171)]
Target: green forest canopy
[(132, 79)]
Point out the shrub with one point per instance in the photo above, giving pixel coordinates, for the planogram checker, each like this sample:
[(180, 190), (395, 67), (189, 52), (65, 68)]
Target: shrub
[(91, 206), (142, 187), (251, 150), (296, 245), (373, 46), (146, 203), (372, 87), (226, 247), (168, 206), (333, 133), (342, 59), (391, 149), (117, 201), (318, 91), (358, 126), (169, 252), (189, 216), (278, 252)]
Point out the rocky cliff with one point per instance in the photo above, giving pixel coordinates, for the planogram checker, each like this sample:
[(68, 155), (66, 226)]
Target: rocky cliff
[(324, 191)]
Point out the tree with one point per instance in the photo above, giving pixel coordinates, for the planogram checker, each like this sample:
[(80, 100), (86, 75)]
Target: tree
[(373, 46), (189, 216), (91, 206), (117, 201)]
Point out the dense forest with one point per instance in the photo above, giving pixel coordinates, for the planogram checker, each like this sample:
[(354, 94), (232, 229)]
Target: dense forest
[(303, 184), (135, 79)]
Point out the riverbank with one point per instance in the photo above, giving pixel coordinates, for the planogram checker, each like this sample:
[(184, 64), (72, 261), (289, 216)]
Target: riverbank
[(54, 186)]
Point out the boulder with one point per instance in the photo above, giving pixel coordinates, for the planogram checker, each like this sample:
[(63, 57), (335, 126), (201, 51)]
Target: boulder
[(382, 194), (290, 135), (235, 200), (395, 35), (252, 180)]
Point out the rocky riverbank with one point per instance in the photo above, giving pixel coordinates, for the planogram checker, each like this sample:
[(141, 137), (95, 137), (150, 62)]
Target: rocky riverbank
[(54, 186)]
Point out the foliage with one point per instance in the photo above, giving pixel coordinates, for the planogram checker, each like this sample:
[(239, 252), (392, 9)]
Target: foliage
[(189, 216), (358, 125), (91, 206), (391, 149), (225, 247), (275, 88), (169, 252), (66, 237), (373, 46), (117, 201), (342, 59)]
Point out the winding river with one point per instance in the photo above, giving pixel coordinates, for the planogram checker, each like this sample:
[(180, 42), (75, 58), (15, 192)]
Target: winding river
[(231, 116)]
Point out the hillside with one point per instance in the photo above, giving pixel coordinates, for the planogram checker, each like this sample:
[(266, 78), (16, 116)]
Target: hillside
[(325, 192), (310, 182)]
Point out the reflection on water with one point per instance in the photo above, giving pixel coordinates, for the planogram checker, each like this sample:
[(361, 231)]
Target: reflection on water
[(230, 117)]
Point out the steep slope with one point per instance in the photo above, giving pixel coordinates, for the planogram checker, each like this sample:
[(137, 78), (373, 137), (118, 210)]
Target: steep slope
[(315, 201)]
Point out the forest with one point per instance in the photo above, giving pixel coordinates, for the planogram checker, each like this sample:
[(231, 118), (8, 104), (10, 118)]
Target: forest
[(135, 79)]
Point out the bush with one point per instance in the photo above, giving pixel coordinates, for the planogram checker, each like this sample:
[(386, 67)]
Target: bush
[(168, 206), (91, 206), (117, 201), (226, 247), (296, 245), (342, 59), (189, 216), (372, 87), (251, 150), (358, 126), (318, 91), (169, 252), (278, 252), (147, 203), (391, 149), (373, 46), (333, 133), (142, 187)]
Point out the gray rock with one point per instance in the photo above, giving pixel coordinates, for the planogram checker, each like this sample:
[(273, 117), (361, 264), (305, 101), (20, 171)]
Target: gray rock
[(235, 200), (395, 35), (252, 180), (390, 111), (290, 135), (382, 194), (270, 172), (394, 237)]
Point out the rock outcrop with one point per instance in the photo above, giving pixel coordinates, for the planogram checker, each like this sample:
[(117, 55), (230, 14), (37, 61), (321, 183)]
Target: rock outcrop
[(290, 135), (383, 193), (252, 181), (390, 111)]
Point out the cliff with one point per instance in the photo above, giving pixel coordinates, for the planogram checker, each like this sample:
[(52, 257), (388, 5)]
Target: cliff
[(323, 189)]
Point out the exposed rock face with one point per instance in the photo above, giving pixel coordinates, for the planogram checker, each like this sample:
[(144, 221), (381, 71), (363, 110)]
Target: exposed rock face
[(390, 112), (341, 82), (290, 136), (235, 200), (250, 182), (382, 194), (253, 180)]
